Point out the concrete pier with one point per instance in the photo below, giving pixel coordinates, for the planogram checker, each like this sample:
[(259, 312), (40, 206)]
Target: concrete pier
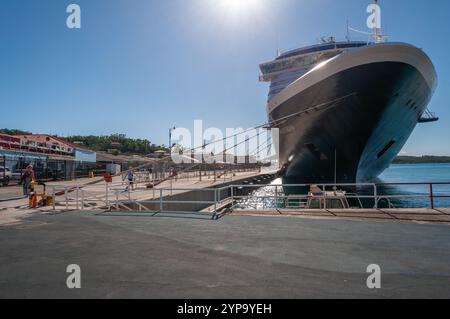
[(94, 195), (131, 255), (419, 215)]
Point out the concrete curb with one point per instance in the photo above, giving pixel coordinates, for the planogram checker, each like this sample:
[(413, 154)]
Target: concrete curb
[(13, 198)]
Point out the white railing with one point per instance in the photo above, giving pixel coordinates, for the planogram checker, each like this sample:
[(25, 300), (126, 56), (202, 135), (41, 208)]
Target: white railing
[(117, 197)]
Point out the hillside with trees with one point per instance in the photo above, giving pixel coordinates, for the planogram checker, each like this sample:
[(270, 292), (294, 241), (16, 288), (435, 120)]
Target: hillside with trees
[(13, 132), (117, 143), (422, 159)]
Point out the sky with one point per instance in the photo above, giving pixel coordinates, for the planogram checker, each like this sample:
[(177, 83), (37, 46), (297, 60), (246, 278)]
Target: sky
[(140, 67)]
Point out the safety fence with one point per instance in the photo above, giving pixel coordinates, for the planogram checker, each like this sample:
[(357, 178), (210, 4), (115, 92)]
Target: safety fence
[(251, 197)]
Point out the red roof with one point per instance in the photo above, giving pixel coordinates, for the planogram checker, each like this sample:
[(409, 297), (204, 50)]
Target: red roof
[(61, 140)]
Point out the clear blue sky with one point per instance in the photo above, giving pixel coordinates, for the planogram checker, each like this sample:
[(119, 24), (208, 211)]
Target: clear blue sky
[(138, 67)]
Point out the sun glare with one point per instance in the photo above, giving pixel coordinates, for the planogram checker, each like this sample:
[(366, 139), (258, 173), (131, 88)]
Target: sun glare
[(239, 5), (240, 9), (232, 15)]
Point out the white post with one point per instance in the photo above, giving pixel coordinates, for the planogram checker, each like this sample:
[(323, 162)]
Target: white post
[(106, 195), (375, 195), (76, 198), (67, 200)]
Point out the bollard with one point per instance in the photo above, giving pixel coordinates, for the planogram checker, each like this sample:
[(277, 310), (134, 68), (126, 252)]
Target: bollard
[(160, 199)]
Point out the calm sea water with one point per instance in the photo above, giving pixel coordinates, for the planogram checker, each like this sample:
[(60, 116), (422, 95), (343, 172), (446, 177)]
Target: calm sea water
[(417, 173), (416, 196)]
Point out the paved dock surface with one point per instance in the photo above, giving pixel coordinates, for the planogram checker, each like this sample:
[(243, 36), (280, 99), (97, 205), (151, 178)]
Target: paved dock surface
[(179, 255), (422, 215)]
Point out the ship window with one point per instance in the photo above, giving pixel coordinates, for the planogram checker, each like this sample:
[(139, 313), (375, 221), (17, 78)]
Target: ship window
[(386, 148)]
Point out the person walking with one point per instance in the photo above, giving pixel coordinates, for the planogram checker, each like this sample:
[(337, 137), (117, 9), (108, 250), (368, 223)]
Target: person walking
[(130, 177), (26, 179)]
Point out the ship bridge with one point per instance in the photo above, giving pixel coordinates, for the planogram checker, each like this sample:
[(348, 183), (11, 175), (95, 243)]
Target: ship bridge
[(292, 65)]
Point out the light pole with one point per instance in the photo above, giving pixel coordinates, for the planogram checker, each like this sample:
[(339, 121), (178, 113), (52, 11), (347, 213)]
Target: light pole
[(170, 137)]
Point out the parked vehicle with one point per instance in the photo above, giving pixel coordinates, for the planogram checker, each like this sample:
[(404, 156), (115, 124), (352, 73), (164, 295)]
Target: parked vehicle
[(5, 175)]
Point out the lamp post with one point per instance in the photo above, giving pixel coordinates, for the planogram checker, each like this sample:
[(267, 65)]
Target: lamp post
[(170, 137)]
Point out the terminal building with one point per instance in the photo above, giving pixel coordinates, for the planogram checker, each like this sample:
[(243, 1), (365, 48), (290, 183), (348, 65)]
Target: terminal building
[(53, 158)]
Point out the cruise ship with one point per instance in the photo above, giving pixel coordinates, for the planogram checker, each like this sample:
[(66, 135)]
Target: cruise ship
[(344, 110)]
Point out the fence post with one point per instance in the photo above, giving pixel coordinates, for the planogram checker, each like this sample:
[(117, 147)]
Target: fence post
[(160, 199), (276, 196), (4, 169), (67, 199), (106, 195), (53, 197), (76, 197), (82, 200), (117, 200), (431, 196), (375, 195), (215, 200), (232, 195)]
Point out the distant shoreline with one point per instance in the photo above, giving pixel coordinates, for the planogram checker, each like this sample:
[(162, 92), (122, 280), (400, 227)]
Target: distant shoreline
[(422, 160)]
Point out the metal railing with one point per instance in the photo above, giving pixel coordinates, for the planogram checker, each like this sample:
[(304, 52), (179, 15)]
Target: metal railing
[(374, 193), (116, 197)]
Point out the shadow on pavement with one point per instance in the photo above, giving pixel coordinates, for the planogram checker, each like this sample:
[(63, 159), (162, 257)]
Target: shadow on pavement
[(184, 215)]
